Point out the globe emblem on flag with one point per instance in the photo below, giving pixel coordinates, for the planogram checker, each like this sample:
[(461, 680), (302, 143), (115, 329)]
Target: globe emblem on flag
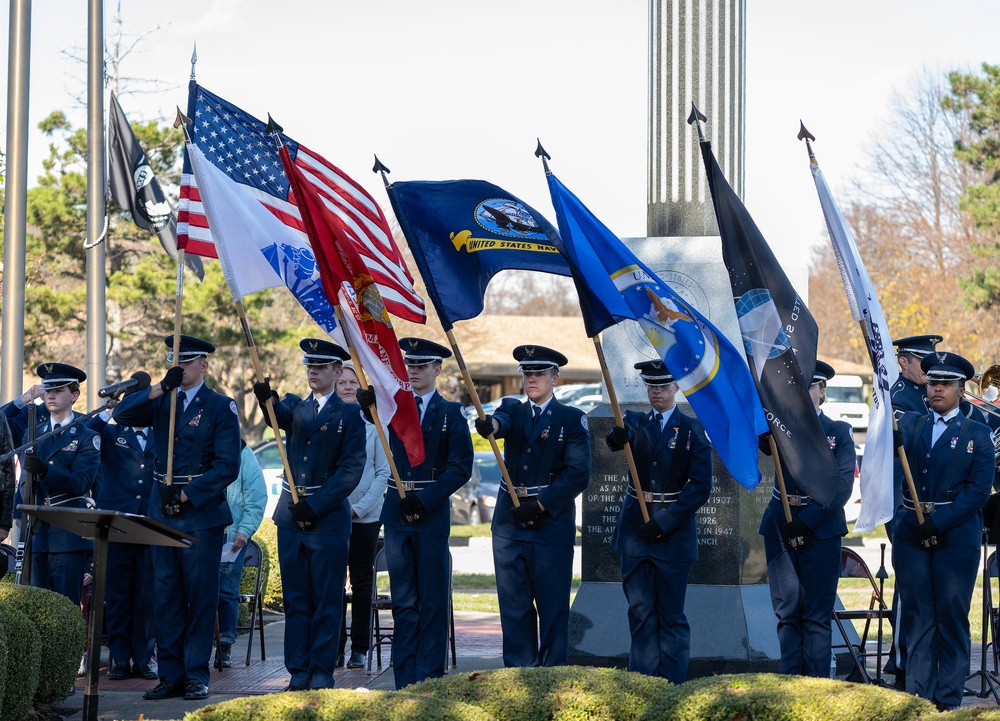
[(763, 332), (504, 216)]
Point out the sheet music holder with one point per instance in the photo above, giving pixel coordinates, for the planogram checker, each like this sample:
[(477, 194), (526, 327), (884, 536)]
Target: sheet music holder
[(105, 527)]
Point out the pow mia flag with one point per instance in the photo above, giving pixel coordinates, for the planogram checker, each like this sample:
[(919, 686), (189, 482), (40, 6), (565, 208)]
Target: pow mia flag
[(133, 187)]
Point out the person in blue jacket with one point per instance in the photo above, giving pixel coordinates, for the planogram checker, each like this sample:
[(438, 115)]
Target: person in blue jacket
[(325, 438), (417, 527), (803, 556), (673, 457), (547, 453), (65, 468), (936, 562), (205, 461)]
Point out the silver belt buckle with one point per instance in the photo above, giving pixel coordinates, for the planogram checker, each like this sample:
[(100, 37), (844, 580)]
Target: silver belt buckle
[(301, 491), (521, 491), (794, 500), (928, 506), (407, 485), (647, 496)]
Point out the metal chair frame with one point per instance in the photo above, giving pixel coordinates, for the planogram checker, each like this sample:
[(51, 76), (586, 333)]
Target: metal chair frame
[(853, 566)]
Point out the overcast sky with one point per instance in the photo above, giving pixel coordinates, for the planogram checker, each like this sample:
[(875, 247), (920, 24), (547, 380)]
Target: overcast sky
[(461, 88)]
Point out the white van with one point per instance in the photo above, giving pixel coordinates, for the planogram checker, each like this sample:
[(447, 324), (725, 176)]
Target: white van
[(847, 400)]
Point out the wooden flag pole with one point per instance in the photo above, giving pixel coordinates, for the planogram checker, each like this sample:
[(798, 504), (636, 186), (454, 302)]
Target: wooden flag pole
[(482, 416), (613, 397), (176, 352), (374, 410)]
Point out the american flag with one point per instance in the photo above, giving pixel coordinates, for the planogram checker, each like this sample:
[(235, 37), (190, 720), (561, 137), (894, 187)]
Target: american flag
[(236, 142)]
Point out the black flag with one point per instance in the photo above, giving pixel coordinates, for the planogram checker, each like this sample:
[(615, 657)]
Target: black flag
[(779, 338), (134, 188)]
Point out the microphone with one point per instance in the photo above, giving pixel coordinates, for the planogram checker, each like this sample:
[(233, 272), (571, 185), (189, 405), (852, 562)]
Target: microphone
[(139, 381)]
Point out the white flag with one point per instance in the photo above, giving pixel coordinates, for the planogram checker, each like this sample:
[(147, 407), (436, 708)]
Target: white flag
[(876, 469)]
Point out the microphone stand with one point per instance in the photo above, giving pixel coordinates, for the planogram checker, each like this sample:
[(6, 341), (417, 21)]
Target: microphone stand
[(881, 576), (110, 403)]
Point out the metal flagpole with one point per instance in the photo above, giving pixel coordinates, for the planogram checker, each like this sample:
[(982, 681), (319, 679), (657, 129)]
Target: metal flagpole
[(96, 208)]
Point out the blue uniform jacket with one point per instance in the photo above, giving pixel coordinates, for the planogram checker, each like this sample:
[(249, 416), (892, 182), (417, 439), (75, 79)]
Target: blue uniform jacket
[(823, 521), (958, 469), (554, 454), (74, 460), (681, 460), (446, 436), (206, 452), (327, 452), (126, 480), (908, 397)]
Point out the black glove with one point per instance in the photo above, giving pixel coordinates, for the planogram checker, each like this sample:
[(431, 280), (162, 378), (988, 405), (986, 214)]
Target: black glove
[(411, 510), (796, 534), (35, 465), (365, 397), (897, 438), (526, 515), (484, 426), (618, 437), (144, 380), (170, 501), (302, 514), (262, 391), (928, 535), (172, 379), (650, 532)]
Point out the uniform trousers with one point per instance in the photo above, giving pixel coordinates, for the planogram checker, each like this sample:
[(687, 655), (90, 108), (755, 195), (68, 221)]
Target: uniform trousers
[(128, 605), (936, 589), (419, 577), (60, 572), (185, 598), (661, 636), (533, 587), (803, 593), (313, 572), (361, 562)]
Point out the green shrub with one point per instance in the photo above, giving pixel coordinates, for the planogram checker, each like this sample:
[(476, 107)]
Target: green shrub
[(770, 697), (61, 631), (249, 579), (340, 705), (267, 537), (563, 693), (22, 654), (967, 714)]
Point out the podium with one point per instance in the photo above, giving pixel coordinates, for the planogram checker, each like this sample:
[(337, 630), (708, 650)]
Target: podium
[(105, 527)]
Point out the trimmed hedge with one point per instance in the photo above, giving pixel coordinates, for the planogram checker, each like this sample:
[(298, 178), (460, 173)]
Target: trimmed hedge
[(340, 705), (539, 694), (22, 656), (772, 697), (61, 629), (267, 537)]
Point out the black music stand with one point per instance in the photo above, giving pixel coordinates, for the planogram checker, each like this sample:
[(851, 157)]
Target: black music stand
[(989, 683), (105, 527)]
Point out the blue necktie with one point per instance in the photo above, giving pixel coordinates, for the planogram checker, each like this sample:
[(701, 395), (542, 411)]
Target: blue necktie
[(181, 397), (657, 426)]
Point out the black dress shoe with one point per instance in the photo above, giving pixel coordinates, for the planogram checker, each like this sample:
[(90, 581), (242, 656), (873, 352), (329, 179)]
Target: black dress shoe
[(149, 674), (358, 659), (340, 660), (289, 687), (162, 690), (195, 691), (119, 671)]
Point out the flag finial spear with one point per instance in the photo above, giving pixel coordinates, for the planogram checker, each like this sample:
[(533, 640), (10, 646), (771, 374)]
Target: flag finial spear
[(194, 58), (274, 130), (696, 118), (540, 153), (807, 136), (380, 168), (182, 120)]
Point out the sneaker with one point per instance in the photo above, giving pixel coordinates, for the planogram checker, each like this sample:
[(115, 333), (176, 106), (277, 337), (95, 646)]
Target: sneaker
[(226, 650), (358, 659)]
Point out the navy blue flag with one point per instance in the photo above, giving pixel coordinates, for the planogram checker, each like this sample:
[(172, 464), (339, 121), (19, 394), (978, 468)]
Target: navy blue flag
[(709, 370), (779, 338), (463, 232)]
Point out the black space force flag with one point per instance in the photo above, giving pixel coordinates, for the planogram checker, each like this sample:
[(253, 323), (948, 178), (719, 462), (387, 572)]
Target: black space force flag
[(133, 187), (779, 338)]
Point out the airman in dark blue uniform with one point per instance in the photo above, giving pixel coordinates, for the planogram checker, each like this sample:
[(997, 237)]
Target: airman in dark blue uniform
[(936, 562), (65, 468), (206, 460), (325, 438), (674, 459), (417, 527), (803, 557), (128, 457), (547, 453)]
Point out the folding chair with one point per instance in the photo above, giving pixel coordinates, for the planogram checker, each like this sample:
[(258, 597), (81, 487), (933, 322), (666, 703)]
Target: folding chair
[(853, 566), (253, 558), (994, 612), (9, 554)]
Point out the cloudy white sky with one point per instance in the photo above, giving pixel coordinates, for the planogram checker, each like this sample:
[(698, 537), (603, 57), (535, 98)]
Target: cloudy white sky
[(461, 88)]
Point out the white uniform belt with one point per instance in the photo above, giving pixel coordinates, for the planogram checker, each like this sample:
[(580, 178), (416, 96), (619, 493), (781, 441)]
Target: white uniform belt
[(792, 500), (180, 479), (416, 485), (527, 491), (650, 497), (925, 506), (302, 491)]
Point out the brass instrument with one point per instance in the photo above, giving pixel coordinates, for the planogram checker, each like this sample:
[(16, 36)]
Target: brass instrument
[(989, 390)]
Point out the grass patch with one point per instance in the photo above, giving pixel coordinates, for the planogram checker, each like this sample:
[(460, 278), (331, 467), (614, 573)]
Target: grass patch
[(466, 531)]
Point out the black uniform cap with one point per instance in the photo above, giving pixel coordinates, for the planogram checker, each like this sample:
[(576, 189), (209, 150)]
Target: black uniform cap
[(534, 358), (823, 372), (57, 375), (421, 352), (319, 352), (947, 367), (654, 373), (190, 349), (918, 345)]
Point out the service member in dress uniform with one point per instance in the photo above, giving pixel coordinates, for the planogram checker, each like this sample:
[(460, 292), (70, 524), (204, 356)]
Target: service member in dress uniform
[(674, 459), (325, 439), (909, 393), (952, 459), (547, 453), (6, 480), (417, 527), (65, 468), (803, 557), (206, 460), (128, 457)]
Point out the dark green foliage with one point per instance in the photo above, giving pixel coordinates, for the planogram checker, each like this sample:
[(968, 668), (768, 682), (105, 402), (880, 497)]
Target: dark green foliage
[(249, 579), (566, 693), (267, 537), (20, 659), (340, 705), (770, 697), (60, 627)]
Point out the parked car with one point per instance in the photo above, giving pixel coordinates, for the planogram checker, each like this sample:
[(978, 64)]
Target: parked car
[(569, 393), (846, 400), (488, 407), (588, 402), (270, 462), (474, 502), (853, 508)]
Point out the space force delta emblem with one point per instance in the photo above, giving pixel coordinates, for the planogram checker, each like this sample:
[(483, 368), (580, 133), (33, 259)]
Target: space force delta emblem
[(505, 217)]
